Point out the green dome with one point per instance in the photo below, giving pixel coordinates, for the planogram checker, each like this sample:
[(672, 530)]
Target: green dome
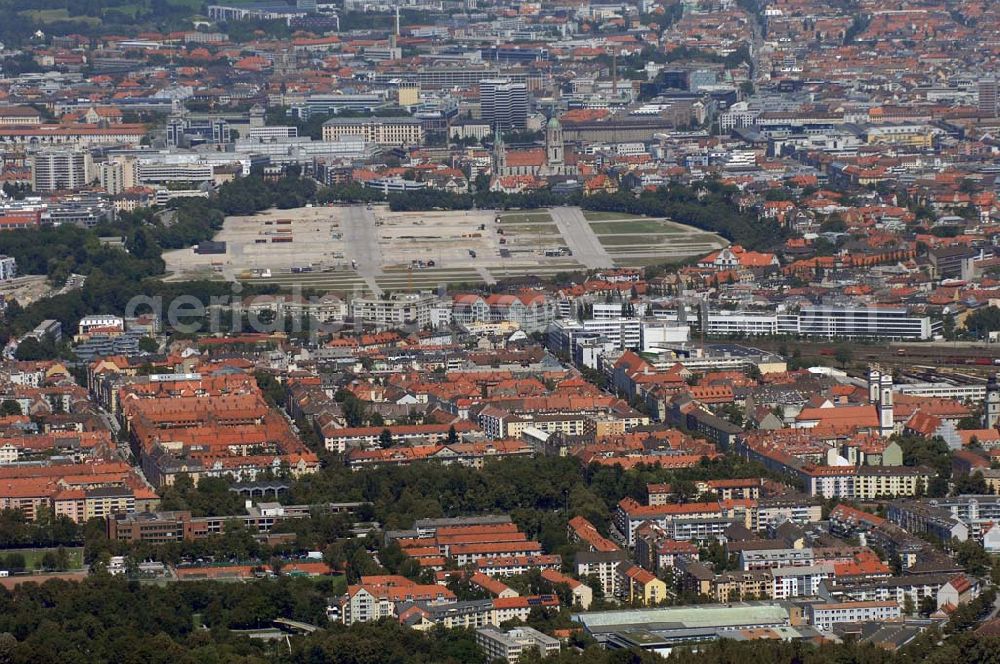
[(554, 123)]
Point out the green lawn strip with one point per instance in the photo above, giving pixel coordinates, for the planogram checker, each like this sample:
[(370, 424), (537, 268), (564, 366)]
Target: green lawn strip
[(633, 226), (591, 215), (527, 218), (637, 239)]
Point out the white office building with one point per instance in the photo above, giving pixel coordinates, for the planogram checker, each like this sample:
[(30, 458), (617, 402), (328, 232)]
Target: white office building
[(273, 132), (658, 336), (848, 322), (863, 322), (302, 149), (730, 322), (163, 173), (586, 340), (972, 393), (622, 333)]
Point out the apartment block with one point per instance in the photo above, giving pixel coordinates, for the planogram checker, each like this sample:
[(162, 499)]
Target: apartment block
[(825, 616), (602, 566), (397, 310), (60, 170), (509, 645)]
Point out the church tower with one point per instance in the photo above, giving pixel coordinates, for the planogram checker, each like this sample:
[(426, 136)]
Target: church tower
[(991, 408), (887, 423), (499, 153), (873, 384), (880, 396), (555, 156)]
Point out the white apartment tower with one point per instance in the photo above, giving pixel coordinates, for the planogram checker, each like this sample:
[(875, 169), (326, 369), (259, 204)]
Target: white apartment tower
[(112, 177), (60, 170)]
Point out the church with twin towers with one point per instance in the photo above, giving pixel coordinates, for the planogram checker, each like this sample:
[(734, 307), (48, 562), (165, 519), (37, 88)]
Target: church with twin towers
[(880, 396), (550, 161)]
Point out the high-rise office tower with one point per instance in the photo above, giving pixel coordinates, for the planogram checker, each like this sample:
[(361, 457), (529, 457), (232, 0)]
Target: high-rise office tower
[(504, 103), (988, 93)]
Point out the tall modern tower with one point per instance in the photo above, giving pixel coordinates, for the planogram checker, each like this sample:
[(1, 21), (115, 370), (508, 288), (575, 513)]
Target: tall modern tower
[(503, 102), (989, 96)]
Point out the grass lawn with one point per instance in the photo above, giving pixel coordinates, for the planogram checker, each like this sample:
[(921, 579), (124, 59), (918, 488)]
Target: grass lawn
[(591, 215), (625, 261), (57, 15), (525, 218), (530, 229), (652, 226), (705, 237), (338, 583), (639, 239), (33, 557), (402, 269)]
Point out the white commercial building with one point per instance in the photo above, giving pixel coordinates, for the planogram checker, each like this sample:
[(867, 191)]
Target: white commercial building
[(304, 149), (849, 322), (657, 335), (973, 393), (729, 322), (585, 341), (624, 333), (273, 132), (863, 322), (162, 173)]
